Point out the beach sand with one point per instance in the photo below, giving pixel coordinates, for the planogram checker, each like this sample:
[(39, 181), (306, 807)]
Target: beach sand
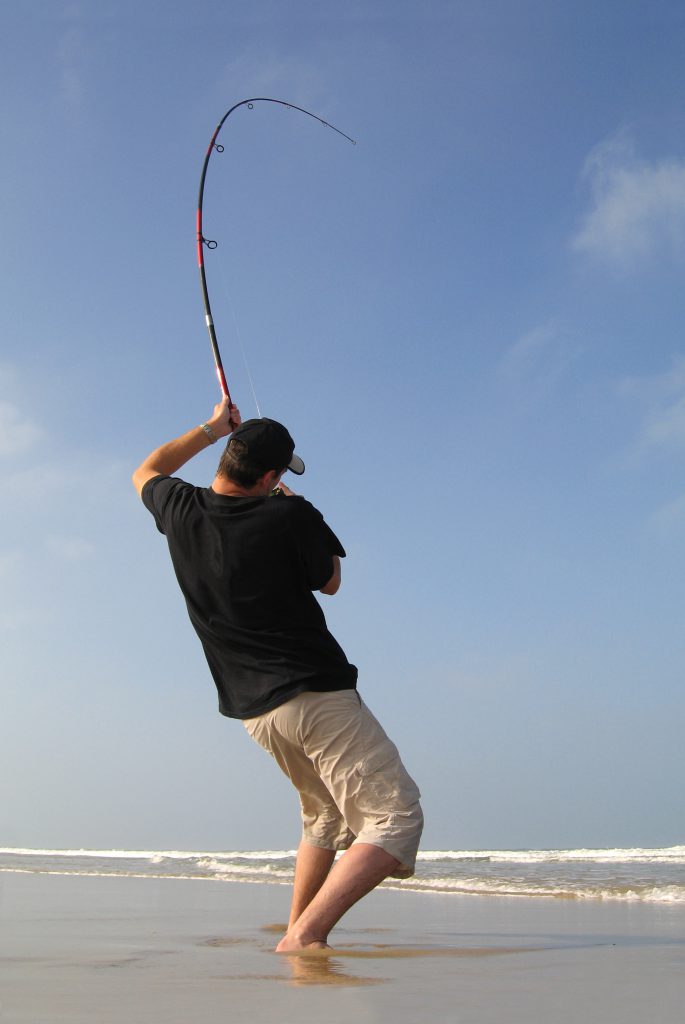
[(126, 950)]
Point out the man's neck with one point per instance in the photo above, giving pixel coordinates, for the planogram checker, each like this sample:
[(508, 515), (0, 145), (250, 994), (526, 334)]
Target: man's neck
[(222, 485)]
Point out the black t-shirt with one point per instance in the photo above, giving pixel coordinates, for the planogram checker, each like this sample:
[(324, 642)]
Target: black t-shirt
[(247, 568)]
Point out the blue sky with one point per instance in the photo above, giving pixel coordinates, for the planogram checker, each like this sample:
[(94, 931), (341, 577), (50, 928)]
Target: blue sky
[(472, 323)]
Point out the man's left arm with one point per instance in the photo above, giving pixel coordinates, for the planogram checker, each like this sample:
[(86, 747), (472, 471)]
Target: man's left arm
[(167, 459), (332, 586)]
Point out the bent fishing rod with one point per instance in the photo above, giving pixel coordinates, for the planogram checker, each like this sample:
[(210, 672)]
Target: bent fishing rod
[(210, 243)]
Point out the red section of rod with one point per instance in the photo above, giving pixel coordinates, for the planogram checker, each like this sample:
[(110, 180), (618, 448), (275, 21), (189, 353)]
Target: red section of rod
[(222, 382)]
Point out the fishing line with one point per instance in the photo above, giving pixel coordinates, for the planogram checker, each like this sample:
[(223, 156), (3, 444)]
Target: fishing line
[(210, 243), (242, 348)]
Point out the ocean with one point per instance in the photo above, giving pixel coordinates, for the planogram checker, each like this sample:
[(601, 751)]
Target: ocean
[(629, 875)]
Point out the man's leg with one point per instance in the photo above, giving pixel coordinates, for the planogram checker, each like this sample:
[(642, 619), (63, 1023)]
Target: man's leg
[(311, 870), (324, 827), (352, 784), (358, 871)]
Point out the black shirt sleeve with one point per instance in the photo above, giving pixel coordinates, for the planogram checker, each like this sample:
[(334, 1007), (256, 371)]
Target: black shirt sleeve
[(159, 495), (317, 544)]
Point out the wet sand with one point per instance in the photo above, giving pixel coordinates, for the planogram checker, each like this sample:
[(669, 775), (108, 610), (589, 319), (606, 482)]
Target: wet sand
[(166, 951)]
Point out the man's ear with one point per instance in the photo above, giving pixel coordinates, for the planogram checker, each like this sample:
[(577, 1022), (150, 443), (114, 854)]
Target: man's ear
[(269, 479)]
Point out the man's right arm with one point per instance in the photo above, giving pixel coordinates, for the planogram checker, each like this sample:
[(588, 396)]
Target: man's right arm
[(169, 458)]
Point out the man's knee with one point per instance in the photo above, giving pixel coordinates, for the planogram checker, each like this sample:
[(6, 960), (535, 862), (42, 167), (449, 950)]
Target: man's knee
[(399, 834)]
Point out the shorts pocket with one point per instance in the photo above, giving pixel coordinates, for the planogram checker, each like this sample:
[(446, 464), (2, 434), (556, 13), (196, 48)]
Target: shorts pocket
[(377, 759), (384, 782)]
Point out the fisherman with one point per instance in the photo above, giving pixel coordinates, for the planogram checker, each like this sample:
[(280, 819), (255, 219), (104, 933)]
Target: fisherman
[(248, 555)]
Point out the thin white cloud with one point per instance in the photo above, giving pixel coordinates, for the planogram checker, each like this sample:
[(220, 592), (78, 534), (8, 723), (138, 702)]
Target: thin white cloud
[(670, 518), (88, 498), (539, 359), (92, 479), (10, 562), (89, 501), (666, 427), (16, 610), (272, 75), (637, 208), (70, 549), (71, 50), (17, 433), (14, 619), (658, 386), (663, 399)]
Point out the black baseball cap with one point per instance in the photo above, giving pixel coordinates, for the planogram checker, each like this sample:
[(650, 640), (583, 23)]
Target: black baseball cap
[(269, 445)]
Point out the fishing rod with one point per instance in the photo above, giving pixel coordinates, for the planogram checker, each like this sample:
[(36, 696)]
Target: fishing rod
[(209, 242)]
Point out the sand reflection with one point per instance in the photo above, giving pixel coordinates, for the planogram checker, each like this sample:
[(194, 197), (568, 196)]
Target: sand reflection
[(390, 952), (324, 969), (333, 966)]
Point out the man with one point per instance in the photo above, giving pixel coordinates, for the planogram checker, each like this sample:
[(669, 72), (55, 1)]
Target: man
[(248, 561)]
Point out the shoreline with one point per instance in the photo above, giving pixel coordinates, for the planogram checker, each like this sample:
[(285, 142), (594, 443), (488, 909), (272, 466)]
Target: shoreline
[(639, 875), (116, 950), (386, 886)]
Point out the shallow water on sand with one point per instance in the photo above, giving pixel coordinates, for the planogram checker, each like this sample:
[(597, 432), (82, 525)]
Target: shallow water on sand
[(113, 950)]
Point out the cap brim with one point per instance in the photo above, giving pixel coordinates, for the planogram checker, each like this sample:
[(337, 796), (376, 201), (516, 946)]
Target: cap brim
[(296, 465)]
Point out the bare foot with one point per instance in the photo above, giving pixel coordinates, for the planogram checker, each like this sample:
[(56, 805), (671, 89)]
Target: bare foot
[(290, 944)]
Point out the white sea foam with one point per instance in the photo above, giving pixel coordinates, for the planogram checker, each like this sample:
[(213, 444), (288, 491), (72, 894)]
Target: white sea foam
[(102, 854), (147, 874), (666, 855), (154, 856), (251, 868), (635, 855), (632, 875), (511, 887)]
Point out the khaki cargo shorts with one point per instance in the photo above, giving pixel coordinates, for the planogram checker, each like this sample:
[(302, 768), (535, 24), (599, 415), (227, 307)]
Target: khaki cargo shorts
[(353, 786)]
